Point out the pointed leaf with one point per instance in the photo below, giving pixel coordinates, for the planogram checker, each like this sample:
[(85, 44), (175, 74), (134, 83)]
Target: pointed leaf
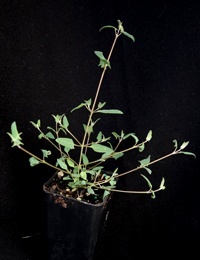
[(117, 155), (131, 135), (120, 26), (108, 26), (51, 128), (57, 118), (113, 182), (67, 142), (103, 62), (129, 36), (148, 170), (175, 144), (88, 102), (90, 191), (36, 125), (162, 184), (85, 159), (184, 144), (67, 178), (106, 193), (62, 164), (15, 135), (99, 148), (40, 136), (117, 136), (97, 168), (149, 135), (147, 180), (65, 122), (99, 136), (46, 153), (88, 129), (145, 162), (79, 106), (109, 111), (153, 195), (141, 147), (70, 162), (188, 153), (50, 135), (100, 104), (83, 175)]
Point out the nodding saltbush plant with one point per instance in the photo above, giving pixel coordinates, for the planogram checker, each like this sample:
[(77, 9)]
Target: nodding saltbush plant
[(84, 177)]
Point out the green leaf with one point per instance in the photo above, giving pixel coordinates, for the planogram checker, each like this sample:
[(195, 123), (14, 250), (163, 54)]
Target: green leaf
[(51, 128), (75, 176), (91, 172), (100, 104), (145, 162), (117, 155), (79, 106), (115, 172), (57, 118), (33, 161), (67, 178), (148, 170), (184, 144), (131, 135), (149, 136), (83, 175), (129, 36), (46, 153), (72, 185), (50, 135), (15, 135), (85, 159), (99, 148), (98, 168), (65, 122), (88, 129), (88, 102), (188, 153), (40, 136), (147, 180), (62, 164), (106, 193), (153, 195), (70, 162), (67, 142), (120, 26), (66, 149), (109, 111), (175, 144), (36, 125), (141, 147), (103, 62), (116, 135), (162, 184), (99, 136), (113, 182), (108, 26), (90, 191)]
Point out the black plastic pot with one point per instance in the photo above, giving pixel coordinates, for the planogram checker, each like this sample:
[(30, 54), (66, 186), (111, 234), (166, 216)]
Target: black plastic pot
[(73, 227)]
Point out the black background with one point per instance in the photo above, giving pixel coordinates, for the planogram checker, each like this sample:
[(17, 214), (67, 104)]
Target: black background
[(48, 66)]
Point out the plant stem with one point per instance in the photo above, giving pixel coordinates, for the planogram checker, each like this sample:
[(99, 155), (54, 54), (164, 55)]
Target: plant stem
[(95, 100), (150, 163), (131, 191)]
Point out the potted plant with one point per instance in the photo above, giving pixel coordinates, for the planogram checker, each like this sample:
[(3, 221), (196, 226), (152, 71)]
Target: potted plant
[(80, 189)]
